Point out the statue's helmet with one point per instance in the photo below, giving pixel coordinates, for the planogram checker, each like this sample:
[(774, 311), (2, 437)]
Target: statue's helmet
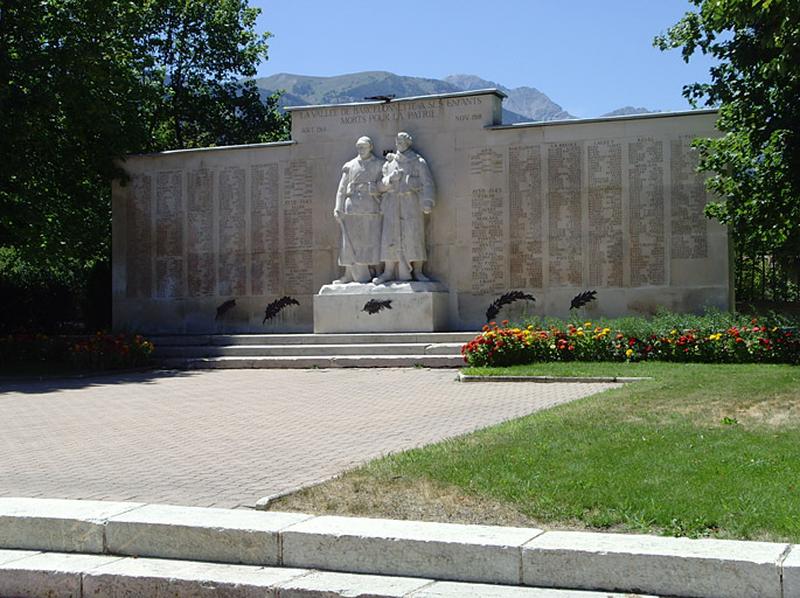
[(364, 141)]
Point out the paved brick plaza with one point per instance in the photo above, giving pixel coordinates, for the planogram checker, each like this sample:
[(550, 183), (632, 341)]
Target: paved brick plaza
[(226, 438)]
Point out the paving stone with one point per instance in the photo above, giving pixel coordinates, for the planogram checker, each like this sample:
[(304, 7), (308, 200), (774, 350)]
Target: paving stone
[(791, 573), (50, 575), (324, 584), (227, 438), (415, 548), (133, 578), (668, 566), (193, 533), (57, 525), (451, 589)]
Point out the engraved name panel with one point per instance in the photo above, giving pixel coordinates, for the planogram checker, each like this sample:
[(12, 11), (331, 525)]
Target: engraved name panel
[(525, 201), (564, 204), (646, 189), (604, 177), (200, 238), (232, 240), (264, 220), (139, 247), (486, 161), (169, 234), (488, 242), (297, 228), (689, 225)]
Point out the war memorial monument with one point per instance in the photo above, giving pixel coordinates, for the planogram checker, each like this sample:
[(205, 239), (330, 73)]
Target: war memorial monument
[(424, 208)]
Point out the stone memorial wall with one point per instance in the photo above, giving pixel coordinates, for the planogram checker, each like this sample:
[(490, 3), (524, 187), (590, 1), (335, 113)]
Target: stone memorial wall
[(612, 205)]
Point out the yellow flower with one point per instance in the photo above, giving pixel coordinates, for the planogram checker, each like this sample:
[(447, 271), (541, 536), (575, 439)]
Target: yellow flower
[(673, 332), (580, 332), (587, 324), (606, 330), (629, 352)]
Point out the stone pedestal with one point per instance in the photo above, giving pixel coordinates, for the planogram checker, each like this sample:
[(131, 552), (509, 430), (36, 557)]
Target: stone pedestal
[(413, 307)]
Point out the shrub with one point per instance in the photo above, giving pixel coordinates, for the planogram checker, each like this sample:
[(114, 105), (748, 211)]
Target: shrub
[(27, 347), (74, 299)]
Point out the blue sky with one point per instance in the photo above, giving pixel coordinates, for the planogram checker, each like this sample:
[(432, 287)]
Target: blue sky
[(588, 56)]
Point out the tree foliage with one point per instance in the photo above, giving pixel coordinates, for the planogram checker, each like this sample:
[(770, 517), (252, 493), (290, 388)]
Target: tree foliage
[(84, 82), (755, 164)]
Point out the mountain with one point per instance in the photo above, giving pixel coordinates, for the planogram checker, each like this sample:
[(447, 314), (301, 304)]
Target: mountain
[(353, 87), (301, 90), (523, 104), (628, 110), (529, 102)]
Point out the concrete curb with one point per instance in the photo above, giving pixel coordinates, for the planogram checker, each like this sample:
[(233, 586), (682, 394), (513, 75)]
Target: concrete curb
[(57, 575), (263, 503), (435, 551), (470, 378)]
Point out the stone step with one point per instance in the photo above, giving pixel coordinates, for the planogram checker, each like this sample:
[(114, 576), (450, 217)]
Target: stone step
[(308, 339), (310, 349), (314, 361), (104, 535), (33, 574)]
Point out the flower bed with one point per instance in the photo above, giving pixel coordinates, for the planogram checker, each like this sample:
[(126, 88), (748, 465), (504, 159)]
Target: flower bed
[(106, 351), (708, 339), (97, 352)]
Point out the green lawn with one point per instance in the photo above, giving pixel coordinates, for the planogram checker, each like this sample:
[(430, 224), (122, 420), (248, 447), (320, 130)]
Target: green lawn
[(698, 450)]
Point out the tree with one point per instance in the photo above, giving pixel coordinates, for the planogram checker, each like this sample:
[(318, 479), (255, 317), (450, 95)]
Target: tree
[(84, 82), (200, 57), (755, 164)]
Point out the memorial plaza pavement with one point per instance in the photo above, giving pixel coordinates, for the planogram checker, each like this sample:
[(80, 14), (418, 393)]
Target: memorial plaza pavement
[(229, 437)]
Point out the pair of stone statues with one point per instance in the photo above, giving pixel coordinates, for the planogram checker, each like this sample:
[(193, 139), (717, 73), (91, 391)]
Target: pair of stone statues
[(380, 207)]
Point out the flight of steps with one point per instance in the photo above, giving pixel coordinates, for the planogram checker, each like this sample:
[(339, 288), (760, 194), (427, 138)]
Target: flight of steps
[(401, 349)]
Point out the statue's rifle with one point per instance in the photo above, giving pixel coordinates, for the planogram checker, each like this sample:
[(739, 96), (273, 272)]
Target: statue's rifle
[(345, 234)]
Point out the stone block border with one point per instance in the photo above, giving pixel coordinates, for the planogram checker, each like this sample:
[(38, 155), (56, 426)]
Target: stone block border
[(30, 574), (470, 378), (405, 549)]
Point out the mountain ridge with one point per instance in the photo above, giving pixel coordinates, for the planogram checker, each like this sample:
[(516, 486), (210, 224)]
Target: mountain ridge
[(523, 104)]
